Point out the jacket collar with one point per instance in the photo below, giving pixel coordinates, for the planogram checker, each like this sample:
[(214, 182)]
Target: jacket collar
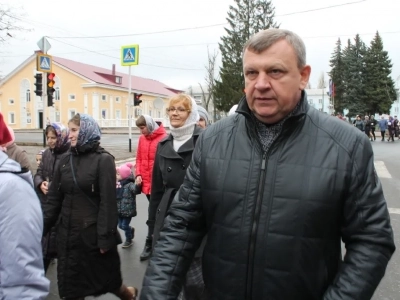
[(243, 107), (167, 149)]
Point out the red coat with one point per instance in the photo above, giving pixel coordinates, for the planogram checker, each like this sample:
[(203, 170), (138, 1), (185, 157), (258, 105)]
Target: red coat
[(145, 155)]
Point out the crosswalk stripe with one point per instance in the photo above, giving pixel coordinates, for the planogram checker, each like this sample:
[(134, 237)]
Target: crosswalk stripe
[(394, 210), (381, 169)]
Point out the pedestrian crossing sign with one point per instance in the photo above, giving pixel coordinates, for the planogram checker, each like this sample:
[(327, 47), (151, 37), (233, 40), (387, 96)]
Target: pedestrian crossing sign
[(44, 63), (130, 55)]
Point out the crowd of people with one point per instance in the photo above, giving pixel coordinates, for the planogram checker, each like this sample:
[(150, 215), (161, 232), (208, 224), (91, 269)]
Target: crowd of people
[(253, 207), (389, 128)]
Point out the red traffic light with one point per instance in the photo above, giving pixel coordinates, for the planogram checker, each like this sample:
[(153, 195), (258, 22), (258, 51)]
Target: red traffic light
[(51, 76), (137, 96)]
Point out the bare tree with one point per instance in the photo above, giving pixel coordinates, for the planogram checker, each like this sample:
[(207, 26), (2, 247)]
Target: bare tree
[(209, 88), (321, 81), (9, 20)]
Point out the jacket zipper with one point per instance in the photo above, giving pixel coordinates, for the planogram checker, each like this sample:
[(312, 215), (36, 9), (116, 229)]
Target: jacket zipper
[(254, 227)]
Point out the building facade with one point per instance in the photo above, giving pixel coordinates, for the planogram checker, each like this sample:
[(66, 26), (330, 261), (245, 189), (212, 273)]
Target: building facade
[(100, 92)]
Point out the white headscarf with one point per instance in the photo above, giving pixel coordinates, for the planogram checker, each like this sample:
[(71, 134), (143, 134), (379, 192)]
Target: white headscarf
[(150, 123), (233, 109)]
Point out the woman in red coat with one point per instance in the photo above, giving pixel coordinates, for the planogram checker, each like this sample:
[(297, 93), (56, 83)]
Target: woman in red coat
[(152, 133)]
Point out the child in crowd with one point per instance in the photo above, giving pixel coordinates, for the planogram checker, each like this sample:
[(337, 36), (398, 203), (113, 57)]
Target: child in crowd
[(39, 157), (126, 201)]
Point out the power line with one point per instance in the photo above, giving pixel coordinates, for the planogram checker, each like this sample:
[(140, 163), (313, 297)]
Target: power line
[(198, 44), (321, 8), (165, 67), (198, 27), (136, 34)]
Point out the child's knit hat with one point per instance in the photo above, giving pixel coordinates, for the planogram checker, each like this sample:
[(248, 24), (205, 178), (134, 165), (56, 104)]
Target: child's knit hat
[(125, 170)]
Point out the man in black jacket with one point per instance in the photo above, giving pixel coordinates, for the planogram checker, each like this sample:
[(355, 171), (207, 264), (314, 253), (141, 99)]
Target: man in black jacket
[(277, 186)]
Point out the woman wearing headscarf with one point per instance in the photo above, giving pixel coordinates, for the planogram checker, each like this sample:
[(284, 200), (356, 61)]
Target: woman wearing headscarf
[(151, 135), (204, 117), (15, 152), (83, 194), (173, 157), (58, 142)]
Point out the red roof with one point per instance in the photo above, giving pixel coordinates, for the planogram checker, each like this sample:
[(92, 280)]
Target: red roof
[(106, 76)]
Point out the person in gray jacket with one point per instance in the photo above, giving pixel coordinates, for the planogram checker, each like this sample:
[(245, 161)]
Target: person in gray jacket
[(21, 224), (277, 187)]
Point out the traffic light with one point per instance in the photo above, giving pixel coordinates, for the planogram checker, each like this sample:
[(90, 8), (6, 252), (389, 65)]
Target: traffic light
[(39, 84), (136, 99), (50, 88)]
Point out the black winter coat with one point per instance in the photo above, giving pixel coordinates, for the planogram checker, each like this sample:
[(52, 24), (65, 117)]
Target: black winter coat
[(169, 169), (88, 222), (45, 172), (275, 220)]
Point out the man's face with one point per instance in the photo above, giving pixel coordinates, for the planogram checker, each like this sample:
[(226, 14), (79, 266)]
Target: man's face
[(202, 123), (273, 81)]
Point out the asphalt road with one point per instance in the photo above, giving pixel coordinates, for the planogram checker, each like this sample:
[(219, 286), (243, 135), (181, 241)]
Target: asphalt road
[(388, 168)]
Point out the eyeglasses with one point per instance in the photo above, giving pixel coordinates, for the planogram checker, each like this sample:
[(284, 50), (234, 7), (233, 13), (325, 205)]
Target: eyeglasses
[(179, 110)]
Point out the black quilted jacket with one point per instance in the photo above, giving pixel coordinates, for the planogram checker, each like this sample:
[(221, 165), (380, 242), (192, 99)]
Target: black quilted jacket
[(275, 220)]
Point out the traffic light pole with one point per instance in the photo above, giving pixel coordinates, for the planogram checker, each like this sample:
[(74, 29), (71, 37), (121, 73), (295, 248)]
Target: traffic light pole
[(130, 110), (44, 112)]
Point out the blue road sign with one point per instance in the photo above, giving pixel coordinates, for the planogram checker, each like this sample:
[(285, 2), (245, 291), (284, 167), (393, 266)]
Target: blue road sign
[(44, 63), (130, 55)]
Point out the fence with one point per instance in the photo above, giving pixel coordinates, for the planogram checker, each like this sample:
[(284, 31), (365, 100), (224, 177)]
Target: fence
[(114, 123)]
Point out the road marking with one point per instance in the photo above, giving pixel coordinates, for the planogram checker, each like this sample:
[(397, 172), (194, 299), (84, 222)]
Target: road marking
[(394, 210), (381, 169)]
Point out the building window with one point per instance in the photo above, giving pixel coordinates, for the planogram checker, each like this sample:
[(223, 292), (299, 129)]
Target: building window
[(118, 79), (72, 113), (28, 118), (11, 101), (11, 118), (150, 113), (71, 97), (104, 113), (57, 94), (118, 114), (103, 97), (310, 101), (138, 112), (320, 109), (28, 95), (320, 101), (57, 116), (159, 114), (118, 99)]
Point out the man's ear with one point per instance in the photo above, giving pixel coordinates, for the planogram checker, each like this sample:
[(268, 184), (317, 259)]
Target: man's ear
[(305, 76)]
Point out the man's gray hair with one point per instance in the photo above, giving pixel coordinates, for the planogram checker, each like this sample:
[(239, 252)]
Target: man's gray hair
[(264, 39)]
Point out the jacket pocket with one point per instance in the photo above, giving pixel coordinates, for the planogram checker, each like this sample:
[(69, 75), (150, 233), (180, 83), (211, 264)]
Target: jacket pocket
[(88, 235)]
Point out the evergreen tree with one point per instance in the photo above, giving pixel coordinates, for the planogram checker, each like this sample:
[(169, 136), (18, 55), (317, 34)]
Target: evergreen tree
[(245, 18), (354, 69), (379, 86), (336, 74)]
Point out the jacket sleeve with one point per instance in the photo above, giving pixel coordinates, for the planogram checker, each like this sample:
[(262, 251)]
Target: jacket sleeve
[(21, 224), (157, 188), (52, 207), (139, 154), (366, 231), (38, 178), (107, 219), (183, 230)]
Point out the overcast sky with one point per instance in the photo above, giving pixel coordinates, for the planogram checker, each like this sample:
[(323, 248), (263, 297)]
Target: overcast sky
[(178, 58)]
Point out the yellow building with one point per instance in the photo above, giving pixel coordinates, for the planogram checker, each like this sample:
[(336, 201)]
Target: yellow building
[(100, 92)]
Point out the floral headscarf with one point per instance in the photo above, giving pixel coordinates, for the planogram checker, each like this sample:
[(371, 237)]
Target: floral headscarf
[(89, 130), (63, 142)]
